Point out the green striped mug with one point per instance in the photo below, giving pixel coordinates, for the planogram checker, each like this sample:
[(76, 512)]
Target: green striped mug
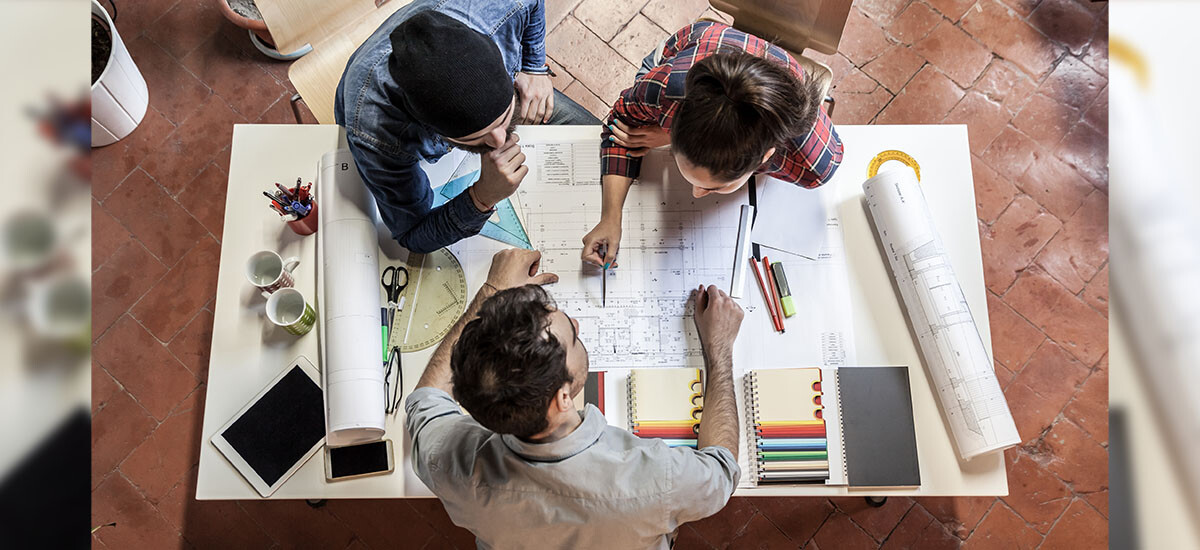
[(288, 309)]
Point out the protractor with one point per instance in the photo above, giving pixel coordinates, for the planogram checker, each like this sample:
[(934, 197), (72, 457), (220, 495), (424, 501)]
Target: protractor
[(433, 301), (898, 156)]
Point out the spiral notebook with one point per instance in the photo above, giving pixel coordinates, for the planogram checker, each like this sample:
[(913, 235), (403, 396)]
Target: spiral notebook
[(839, 426), (666, 403)]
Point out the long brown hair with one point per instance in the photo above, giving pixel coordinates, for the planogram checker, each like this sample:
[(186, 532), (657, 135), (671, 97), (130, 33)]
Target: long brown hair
[(736, 106)]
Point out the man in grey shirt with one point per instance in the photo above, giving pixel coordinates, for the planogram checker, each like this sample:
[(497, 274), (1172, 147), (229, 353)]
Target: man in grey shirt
[(527, 469)]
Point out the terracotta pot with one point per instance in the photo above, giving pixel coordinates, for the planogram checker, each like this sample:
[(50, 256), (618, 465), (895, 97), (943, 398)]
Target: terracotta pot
[(258, 26)]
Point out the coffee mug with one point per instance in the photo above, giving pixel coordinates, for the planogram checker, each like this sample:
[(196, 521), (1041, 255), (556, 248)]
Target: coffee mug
[(267, 271), (288, 309)]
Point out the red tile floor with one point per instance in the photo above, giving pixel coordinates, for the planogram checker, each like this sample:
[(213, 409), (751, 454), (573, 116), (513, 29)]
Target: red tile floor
[(1029, 77)]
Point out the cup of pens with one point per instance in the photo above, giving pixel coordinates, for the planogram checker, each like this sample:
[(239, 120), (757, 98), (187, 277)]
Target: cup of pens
[(295, 206)]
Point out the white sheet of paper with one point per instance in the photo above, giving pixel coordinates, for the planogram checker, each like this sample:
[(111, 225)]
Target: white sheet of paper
[(790, 218)]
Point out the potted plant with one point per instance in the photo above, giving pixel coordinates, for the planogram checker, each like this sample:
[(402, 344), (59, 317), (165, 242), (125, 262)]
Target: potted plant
[(119, 94), (245, 14)]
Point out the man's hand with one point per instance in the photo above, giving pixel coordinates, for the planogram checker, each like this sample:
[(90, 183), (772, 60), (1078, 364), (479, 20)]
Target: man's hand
[(600, 245), (517, 267), (640, 139), (501, 173), (535, 96), (718, 319)]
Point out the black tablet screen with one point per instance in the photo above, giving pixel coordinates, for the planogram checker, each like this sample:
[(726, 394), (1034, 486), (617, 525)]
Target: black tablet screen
[(275, 433)]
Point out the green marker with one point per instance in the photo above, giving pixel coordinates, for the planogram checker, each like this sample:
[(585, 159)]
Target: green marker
[(781, 285), (383, 330)]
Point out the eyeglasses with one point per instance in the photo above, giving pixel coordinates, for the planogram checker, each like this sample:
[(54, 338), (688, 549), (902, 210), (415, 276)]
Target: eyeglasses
[(392, 391)]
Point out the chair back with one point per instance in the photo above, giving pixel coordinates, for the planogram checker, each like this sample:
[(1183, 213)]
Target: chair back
[(334, 28), (795, 25)]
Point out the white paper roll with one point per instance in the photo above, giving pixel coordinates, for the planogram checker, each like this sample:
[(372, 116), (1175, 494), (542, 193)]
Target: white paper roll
[(955, 358), (348, 275)]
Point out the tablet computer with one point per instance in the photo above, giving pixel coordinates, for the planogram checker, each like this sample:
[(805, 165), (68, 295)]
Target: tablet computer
[(278, 430)]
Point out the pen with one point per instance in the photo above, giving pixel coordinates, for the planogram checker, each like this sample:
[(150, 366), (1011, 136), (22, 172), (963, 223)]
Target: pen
[(766, 294), (604, 278), (785, 293), (604, 287), (383, 330), (771, 290)]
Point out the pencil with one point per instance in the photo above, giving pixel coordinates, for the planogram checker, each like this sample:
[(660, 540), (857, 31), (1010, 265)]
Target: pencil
[(774, 300), (766, 293)]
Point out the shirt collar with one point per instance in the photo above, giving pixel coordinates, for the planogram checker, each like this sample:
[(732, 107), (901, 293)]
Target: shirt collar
[(584, 436)]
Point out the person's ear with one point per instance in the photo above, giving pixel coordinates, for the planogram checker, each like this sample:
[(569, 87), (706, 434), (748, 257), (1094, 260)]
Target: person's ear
[(563, 398), (698, 192), (770, 153)]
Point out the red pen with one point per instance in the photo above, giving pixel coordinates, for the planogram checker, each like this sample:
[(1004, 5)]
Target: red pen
[(766, 295), (776, 306), (286, 192)]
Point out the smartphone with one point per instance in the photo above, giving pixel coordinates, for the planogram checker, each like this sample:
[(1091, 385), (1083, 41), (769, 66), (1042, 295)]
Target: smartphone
[(354, 461)]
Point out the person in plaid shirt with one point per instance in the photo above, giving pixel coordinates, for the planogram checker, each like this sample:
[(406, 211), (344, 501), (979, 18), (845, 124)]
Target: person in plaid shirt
[(731, 105)]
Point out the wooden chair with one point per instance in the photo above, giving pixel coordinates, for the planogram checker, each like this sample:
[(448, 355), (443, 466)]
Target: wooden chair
[(796, 26), (334, 28)]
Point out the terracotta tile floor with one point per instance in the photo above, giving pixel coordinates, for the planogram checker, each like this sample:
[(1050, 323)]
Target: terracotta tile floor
[(1029, 78)]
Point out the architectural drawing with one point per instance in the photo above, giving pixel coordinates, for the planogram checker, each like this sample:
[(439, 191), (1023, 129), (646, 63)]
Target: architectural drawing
[(955, 358), (671, 243)]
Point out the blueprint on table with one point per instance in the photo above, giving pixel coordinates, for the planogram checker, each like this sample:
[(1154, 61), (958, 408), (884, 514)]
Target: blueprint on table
[(671, 243)]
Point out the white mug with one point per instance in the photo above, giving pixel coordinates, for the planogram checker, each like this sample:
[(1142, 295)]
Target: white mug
[(269, 272)]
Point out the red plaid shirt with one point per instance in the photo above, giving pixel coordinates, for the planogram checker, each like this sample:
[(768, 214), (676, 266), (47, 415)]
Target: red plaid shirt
[(808, 160)]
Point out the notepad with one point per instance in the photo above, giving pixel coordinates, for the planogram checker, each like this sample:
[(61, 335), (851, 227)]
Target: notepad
[(787, 426), (666, 404), (839, 426)]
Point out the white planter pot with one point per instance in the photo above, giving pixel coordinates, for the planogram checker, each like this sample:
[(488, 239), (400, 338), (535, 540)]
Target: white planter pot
[(119, 96)]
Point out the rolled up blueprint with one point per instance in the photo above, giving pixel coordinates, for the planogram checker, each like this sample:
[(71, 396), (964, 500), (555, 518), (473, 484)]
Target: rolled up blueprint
[(348, 286), (955, 358)]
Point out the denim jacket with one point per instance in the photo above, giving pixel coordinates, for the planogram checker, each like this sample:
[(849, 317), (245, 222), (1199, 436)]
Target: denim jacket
[(387, 143)]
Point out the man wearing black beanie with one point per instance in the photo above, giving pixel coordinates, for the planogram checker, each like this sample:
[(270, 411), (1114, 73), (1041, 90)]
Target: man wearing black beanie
[(440, 74)]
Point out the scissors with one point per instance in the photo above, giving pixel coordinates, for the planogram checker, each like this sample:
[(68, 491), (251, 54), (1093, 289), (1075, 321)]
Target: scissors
[(394, 281)]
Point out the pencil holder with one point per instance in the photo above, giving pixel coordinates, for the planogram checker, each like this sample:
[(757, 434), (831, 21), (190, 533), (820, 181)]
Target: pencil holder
[(306, 225)]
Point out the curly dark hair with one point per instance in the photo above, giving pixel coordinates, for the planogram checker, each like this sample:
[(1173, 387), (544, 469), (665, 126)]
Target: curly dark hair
[(507, 365), (735, 107)]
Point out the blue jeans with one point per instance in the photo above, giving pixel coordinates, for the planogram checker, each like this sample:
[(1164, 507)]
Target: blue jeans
[(566, 111), (652, 59)]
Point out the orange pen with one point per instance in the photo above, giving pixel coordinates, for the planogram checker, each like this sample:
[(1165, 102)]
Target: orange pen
[(776, 306)]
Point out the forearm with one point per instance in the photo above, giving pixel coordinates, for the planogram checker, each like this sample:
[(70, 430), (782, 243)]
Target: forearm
[(719, 422), (437, 372), (614, 188), (447, 224)]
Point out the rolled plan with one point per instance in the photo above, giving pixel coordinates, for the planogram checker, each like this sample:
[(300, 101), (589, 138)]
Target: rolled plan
[(955, 358), (348, 287)]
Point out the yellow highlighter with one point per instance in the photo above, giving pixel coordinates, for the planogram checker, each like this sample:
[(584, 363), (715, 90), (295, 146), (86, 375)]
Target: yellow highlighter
[(781, 285)]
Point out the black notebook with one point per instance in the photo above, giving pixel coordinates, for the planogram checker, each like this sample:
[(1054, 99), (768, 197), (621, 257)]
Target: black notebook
[(878, 438)]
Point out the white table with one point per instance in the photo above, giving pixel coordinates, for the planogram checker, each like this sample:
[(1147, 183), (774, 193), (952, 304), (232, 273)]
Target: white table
[(247, 352)]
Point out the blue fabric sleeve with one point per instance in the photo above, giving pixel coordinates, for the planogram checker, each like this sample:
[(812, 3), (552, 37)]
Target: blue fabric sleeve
[(533, 42), (404, 198)]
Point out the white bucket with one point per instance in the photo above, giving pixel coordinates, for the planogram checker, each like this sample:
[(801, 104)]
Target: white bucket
[(119, 96)]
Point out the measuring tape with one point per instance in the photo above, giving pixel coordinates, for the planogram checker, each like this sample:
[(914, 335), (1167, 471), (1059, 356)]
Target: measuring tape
[(898, 156), (436, 297)]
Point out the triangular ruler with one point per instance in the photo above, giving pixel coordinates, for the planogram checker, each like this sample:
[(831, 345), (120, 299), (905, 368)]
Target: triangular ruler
[(504, 226)]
